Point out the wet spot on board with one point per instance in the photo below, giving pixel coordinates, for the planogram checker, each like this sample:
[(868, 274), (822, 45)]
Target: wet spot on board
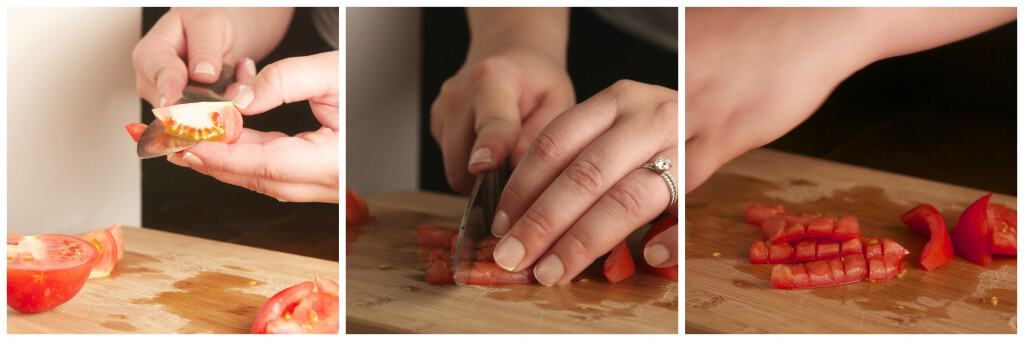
[(801, 182), (709, 302), (120, 326), (235, 267), (135, 263), (203, 299)]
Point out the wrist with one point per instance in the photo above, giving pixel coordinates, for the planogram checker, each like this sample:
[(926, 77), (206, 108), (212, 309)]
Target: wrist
[(541, 32)]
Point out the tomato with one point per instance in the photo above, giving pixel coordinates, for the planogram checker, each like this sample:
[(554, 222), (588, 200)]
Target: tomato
[(780, 253), (855, 267), (438, 267), (619, 264), (805, 251), (202, 121), (109, 243), (307, 307), (759, 252), (851, 247), (435, 236), (660, 225), (356, 210), (926, 220), (783, 228), (847, 228), (758, 213), (1002, 221), (827, 250), (135, 129), (489, 273), (46, 271), (821, 228)]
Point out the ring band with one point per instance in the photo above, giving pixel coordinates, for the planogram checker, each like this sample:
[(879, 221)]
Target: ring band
[(662, 165)]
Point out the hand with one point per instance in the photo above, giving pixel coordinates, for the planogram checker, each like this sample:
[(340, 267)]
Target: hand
[(579, 190), (509, 88), (205, 38), (301, 168)]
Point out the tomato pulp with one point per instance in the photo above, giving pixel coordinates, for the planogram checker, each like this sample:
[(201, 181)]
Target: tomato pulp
[(309, 307), (45, 271)]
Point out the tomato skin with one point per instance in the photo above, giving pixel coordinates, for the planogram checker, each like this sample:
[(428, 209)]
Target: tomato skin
[(758, 213), (135, 130), (32, 289), (759, 253), (619, 264), (851, 247), (821, 228), (926, 220), (356, 210), (847, 228), (972, 238), (307, 307)]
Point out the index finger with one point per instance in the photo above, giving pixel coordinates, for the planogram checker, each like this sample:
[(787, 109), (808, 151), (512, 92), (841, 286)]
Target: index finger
[(157, 61)]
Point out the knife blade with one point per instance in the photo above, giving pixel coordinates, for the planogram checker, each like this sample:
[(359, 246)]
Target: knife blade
[(154, 142), (476, 220)]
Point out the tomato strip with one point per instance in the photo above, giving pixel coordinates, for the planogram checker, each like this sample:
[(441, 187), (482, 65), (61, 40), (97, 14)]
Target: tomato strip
[(926, 220)]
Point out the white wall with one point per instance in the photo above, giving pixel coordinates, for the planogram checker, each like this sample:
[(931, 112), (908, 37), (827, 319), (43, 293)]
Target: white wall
[(382, 93), (70, 89)]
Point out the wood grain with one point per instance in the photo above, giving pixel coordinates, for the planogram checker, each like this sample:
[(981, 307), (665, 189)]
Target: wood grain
[(727, 294), (170, 283), (386, 292)]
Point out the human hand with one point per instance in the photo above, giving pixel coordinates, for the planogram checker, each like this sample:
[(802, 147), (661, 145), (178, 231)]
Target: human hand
[(205, 38), (300, 168), (579, 191), (508, 89)]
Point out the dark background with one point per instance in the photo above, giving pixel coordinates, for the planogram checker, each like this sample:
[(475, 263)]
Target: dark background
[(180, 200), (946, 114)]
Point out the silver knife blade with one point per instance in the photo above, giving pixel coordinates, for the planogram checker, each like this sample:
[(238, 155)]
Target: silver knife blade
[(154, 142), (476, 220)]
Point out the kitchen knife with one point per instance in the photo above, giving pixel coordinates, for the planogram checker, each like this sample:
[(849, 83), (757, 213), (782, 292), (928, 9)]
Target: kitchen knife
[(476, 220), (154, 142)]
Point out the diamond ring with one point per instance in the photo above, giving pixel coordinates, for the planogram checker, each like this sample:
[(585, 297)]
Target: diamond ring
[(662, 165)]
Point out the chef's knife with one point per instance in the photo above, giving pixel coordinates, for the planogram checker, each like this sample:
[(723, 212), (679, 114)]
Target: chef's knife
[(476, 220), (154, 142)]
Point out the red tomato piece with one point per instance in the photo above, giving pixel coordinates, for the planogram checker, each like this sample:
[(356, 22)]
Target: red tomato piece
[(782, 276), (780, 253), (827, 250), (489, 273), (759, 253), (872, 247), (106, 242), (800, 276), (773, 228), (819, 273), (805, 251), (662, 224), (926, 220), (1004, 243), (1002, 221), (435, 236), (851, 247), (356, 210), (876, 268), (972, 237), (758, 213), (46, 271), (793, 233), (855, 267), (619, 264), (307, 307), (439, 272), (847, 228), (202, 121), (135, 130), (838, 270), (821, 228)]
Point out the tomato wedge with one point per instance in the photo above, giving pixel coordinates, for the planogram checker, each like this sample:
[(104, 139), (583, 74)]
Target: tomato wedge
[(109, 243), (45, 271), (356, 210), (619, 264), (1003, 222), (926, 220), (308, 307), (135, 129), (202, 121), (985, 229), (662, 224)]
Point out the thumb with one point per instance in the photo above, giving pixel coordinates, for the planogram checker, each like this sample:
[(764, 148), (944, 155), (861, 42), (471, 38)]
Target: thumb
[(497, 122), (663, 249), (313, 78)]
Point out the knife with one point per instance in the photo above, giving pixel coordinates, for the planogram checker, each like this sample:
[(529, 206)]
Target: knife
[(154, 142), (476, 220)]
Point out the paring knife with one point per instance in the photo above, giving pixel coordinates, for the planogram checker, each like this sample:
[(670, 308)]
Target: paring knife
[(476, 220), (154, 142)]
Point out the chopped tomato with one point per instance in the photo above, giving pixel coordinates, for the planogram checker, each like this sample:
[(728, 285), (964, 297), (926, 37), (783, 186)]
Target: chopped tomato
[(662, 224), (619, 264), (972, 237), (838, 270), (855, 267), (109, 242), (759, 253), (851, 247), (758, 213), (439, 268), (780, 253), (926, 220), (489, 273), (847, 228), (435, 236), (46, 271), (821, 228), (827, 250), (307, 307), (819, 274), (135, 129), (1003, 222), (356, 211), (202, 121), (805, 251)]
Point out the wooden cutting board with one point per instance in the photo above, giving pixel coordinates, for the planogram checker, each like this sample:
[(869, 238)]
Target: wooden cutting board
[(386, 291), (728, 294), (170, 283)]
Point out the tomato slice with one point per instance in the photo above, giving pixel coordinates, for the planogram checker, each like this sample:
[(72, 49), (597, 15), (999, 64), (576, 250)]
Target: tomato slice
[(435, 236), (356, 210), (847, 228), (307, 307), (46, 271), (821, 228), (135, 130), (202, 121), (109, 243), (851, 247), (827, 250), (972, 237), (780, 253), (489, 273), (619, 264), (926, 220), (662, 224), (758, 213)]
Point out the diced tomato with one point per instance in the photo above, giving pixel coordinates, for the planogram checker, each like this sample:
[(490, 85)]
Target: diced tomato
[(872, 247), (109, 244), (439, 272), (800, 276), (972, 237), (307, 307), (855, 267), (135, 130), (46, 271), (662, 224), (1002, 221), (876, 268), (773, 228), (780, 253), (820, 273), (821, 228), (827, 250), (619, 264), (847, 228), (926, 220), (793, 233), (758, 213), (435, 236), (356, 210), (851, 247), (805, 251), (489, 273), (759, 252), (782, 276), (838, 270)]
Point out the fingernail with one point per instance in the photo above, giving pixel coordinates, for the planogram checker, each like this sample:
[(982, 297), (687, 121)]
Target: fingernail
[(250, 66), (244, 97), (281, 200), (176, 159), (500, 224), (204, 68), (192, 159), (509, 253), (480, 156), (549, 270), (163, 101), (656, 254)]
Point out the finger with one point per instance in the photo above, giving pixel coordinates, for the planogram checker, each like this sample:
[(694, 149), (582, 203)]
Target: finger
[(554, 103), (245, 73), (456, 137), (639, 198), (662, 250), (207, 34), (282, 191), (256, 136), (161, 73), (311, 159), (497, 119), (292, 80)]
